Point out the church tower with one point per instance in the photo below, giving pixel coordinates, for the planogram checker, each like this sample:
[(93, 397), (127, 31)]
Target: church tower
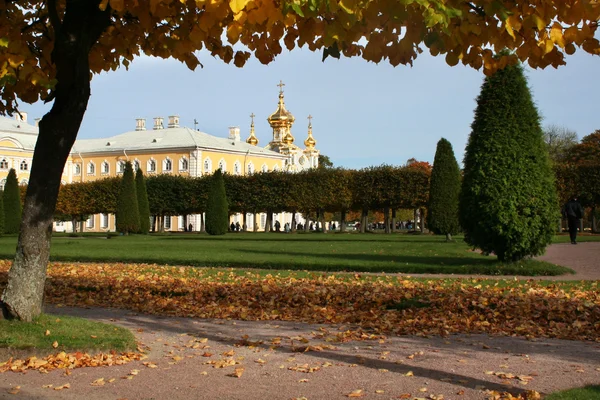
[(281, 122)]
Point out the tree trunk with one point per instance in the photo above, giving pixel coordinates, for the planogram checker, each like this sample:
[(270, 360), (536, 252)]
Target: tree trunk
[(82, 25), (363, 220), (293, 227), (393, 220), (74, 225), (415, 216), (594, 221), (386, 219), (268, 221), (245, 222), (422, 222), (343, 221), (255, 221), (322, 219), (202, 225), (448, 237), (307, 221)]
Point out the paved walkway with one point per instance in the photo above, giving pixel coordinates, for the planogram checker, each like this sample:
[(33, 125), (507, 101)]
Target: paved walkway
[(284, 360)]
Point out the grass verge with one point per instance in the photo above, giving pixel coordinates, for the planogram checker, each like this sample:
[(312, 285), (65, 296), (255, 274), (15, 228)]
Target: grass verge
[(584, 393), (50, 333)]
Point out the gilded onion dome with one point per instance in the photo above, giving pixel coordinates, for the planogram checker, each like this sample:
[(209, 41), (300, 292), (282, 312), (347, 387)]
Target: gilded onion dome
[(288, 138), (252, 140), (310, 141), (281, 115)]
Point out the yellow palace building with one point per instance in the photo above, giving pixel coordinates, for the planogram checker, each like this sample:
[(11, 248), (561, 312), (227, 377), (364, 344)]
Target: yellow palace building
[(164, 148)]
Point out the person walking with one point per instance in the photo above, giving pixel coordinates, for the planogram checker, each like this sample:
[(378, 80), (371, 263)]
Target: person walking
[(573, 212)]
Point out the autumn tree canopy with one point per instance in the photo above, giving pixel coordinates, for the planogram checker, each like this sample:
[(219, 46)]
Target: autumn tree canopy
[(541, 32)]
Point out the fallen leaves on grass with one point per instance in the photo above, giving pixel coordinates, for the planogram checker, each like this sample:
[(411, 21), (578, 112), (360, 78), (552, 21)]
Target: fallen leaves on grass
[(459, 306), (68, 361)]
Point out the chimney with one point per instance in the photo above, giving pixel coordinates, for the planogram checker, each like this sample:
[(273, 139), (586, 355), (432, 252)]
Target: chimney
[(234, 133), (158, 123), (21, 116), (140, 124), (37, 122), (173, 121)]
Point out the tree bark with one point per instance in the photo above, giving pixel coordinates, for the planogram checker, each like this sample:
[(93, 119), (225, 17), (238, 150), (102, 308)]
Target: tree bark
[(293, 227), (202, 224), (343, 221), (82, 25), (422, 222), (393, 220), (245, 222), (386, 219), (363, 220)]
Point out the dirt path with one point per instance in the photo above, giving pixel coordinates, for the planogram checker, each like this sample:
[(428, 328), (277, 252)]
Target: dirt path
[(187, 352)]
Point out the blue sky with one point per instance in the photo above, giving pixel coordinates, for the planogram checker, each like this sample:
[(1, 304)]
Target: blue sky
[(364, 114)]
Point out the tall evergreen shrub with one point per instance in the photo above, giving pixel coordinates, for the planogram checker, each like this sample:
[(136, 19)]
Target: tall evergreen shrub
[(12, 203), (143, 205), (444, 191), (508, 203), (1, 213), (128, 215), (217, 208)]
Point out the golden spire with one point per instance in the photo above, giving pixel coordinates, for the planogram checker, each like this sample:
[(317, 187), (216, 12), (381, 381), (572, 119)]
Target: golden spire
[(252, 140), (281, 115), (310, 142)]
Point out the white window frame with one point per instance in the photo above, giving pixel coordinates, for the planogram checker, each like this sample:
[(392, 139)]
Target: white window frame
[(222, 165), (237, 168), (4, 164), (24, 182), (120, 167), (207, 165), (24, 166), (136, 165), (250, 168), (104, 221), (151, 162), (105, 169), (91, 168), (264, 168), (184, 164), (167, 222), (89, 224), (77, 169), (167, 165)]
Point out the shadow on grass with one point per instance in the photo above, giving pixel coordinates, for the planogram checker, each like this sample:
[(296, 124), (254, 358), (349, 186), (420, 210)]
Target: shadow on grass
[(585, 393), (261, 237)]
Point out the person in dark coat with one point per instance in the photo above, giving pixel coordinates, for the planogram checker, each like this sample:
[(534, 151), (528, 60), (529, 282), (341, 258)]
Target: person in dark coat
[(573, 212)]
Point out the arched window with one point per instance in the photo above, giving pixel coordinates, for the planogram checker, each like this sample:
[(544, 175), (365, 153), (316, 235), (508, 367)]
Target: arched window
[(105, 167), (276, 167), (237, 168), (207, 166), (4, 164), (77, 169), (2, 183), (265, 168), (222, 166), (120, 166), (183, 164), (91, 168), (24, 182), (136, 165), (250, 168), (167, 165), (24, 166), (151, 166)]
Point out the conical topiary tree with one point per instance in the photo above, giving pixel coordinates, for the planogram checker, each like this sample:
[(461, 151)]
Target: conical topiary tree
[(12, 203), (128, 215), (217, 208), (508, 203), (444, 190), (143, 205)]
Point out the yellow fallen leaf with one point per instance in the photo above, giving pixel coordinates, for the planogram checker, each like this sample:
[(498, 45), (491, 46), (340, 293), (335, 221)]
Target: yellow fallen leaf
[(237, 373), (423, 390), (65, 386), (98, 382), (47, 333), (356, 393), (379, 391), (303, 380), (55, 344), (14, 390), (203, 373), (409, 373)]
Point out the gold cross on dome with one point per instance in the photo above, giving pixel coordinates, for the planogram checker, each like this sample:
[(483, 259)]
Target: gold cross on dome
[(310, 117), (281, 85), (252, 116)]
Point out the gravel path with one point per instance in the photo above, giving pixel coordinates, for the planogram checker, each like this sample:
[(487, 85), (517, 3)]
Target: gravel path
[(277, 365)]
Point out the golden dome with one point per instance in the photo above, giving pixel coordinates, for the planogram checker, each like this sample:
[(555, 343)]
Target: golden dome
[(288, 138), (310, 141), (252, 140), (281, 114)]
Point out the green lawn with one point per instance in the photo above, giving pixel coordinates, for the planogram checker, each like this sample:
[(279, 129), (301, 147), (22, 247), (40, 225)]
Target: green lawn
[(323, 252), (584, 393), (69, 333)]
